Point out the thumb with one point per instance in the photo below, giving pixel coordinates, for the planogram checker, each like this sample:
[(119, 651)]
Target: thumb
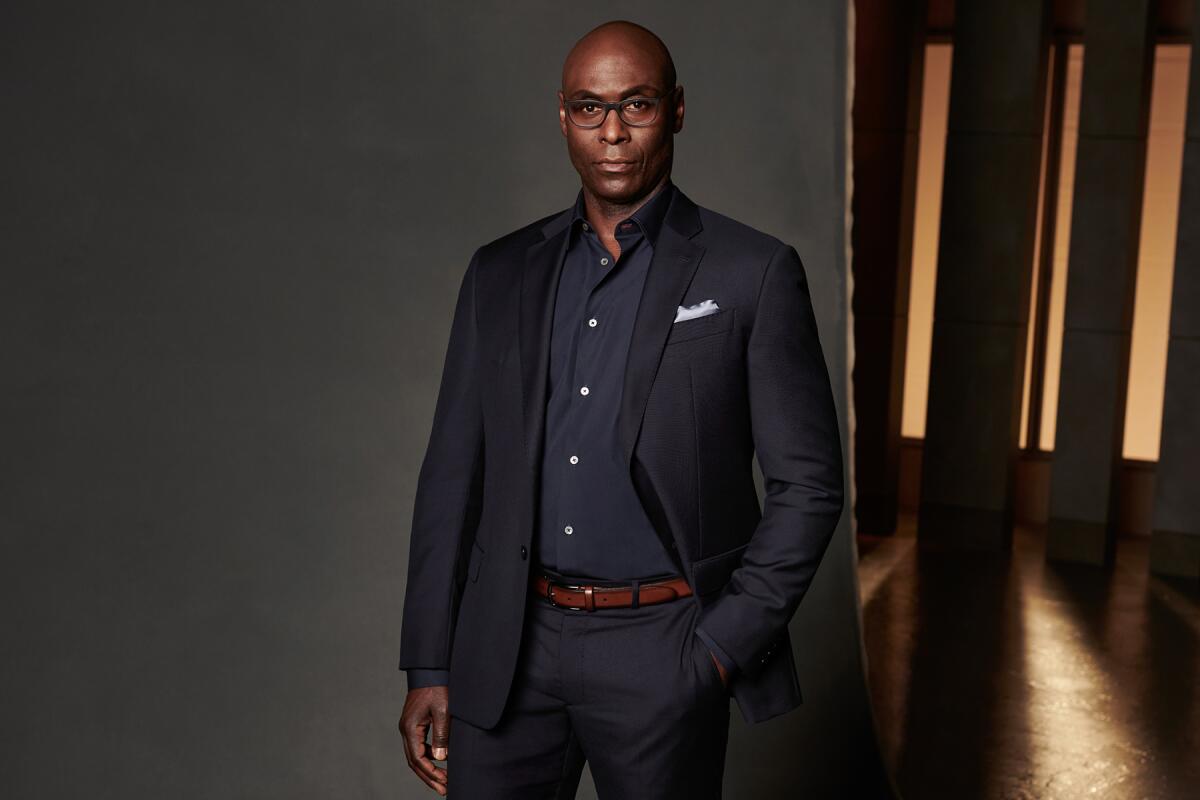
[(440, 736)]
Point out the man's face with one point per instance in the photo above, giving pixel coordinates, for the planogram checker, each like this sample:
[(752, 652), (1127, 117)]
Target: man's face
[(642, 155)]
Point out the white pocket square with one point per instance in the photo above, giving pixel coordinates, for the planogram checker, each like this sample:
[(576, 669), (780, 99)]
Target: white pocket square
[(699, 310)]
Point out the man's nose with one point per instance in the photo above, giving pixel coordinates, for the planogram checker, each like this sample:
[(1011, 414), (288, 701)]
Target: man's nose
[(613, 129)]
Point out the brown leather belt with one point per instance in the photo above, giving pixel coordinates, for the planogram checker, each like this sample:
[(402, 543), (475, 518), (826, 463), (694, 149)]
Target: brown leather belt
[(590, 597)]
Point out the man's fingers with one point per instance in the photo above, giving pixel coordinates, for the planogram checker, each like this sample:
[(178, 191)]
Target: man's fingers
[(440, 739), (720, 670), (415, 751), (419, 758), (433, 775), (427, 770), (440, 788)]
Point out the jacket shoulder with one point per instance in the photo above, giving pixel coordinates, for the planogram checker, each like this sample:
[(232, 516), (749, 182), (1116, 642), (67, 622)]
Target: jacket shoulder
[(720, 229), (516, 240)]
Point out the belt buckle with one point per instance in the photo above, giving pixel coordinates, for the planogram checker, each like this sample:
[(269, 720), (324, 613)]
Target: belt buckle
[(551, 583)]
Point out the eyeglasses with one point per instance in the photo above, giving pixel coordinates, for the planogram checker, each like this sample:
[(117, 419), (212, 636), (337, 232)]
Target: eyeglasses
[(637, 112)]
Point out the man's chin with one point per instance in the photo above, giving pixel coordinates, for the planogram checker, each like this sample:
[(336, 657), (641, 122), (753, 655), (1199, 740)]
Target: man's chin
[(619, 189)]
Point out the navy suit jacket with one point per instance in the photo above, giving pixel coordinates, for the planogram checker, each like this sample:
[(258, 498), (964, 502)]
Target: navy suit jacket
[(701, 397)]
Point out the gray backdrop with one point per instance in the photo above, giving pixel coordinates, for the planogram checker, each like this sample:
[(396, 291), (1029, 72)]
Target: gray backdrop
[(231, 238)]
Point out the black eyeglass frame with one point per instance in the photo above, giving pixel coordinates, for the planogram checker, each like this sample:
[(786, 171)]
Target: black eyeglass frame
[(618, 106)]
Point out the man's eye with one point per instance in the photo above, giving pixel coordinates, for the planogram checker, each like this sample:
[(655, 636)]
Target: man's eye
[(636, 105)]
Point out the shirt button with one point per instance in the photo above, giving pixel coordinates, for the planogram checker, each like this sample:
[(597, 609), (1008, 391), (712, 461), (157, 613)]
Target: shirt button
[(568, 530), (524, 553), (583, 390), (574, 459), (585, 227), (592, 322), (604, 261)]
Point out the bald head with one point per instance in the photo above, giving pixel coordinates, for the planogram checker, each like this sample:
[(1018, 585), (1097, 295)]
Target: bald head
[(626, 151), (617, 40)]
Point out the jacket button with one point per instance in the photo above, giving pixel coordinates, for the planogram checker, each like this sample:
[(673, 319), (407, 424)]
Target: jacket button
[(524, 552)]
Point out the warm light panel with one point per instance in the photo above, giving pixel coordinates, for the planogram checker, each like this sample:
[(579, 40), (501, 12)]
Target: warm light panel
[(931, 157), (1036, 272), (1062, 240), (1156, 253)]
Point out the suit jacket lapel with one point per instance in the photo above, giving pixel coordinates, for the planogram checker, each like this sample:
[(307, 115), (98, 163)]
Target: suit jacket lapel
[(672, 266), (671, 269), (539, 285)]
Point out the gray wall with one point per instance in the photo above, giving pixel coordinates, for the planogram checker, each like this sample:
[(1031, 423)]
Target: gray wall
[(231, 238)]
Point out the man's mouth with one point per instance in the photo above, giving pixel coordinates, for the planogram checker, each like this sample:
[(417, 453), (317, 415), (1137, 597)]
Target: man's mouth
[(615, 166)]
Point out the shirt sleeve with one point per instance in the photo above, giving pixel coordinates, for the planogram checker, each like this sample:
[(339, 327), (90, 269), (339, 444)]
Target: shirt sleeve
[(726, 661), (420, 678)]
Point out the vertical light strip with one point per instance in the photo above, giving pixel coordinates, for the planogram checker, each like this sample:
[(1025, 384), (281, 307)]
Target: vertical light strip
[(931, 159), (1035, 275), (1156, 253), (1062, 242)]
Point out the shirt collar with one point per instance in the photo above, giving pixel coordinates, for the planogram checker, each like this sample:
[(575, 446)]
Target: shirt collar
[(649, 217)]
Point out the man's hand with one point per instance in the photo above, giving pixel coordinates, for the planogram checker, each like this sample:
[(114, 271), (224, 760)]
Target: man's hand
[(720, 670), (422, 708)]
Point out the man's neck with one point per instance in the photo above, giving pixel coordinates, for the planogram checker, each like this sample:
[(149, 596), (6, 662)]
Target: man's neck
[(604, 216)]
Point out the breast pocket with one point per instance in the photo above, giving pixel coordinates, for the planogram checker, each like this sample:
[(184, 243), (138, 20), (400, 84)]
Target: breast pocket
[(700, 327)]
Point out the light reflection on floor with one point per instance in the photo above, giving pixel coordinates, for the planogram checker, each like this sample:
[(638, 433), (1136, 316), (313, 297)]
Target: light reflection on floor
[(1002, 676)]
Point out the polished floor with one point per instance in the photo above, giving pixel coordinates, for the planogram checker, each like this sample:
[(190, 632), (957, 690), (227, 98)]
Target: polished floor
[(1007, 676)]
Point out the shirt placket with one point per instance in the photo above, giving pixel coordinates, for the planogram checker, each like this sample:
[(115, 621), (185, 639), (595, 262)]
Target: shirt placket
[(585, 366)]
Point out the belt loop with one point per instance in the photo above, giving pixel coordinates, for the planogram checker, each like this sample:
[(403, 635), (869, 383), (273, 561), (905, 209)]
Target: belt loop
[(589, 598), (636, 586)]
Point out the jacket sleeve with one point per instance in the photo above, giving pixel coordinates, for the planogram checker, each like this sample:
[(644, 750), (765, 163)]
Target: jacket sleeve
[(448, 500), (796, 438)]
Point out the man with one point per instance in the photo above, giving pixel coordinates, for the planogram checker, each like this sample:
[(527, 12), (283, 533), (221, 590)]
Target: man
[(590, 572)]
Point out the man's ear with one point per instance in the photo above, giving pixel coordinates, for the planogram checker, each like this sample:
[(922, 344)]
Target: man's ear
[(562, 113), (678, 107)]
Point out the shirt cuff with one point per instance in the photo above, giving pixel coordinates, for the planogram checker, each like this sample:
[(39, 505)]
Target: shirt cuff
[(420, 678), (722, 656)]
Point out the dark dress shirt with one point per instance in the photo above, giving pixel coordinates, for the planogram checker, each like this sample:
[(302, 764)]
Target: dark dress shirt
[(591, 523)]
